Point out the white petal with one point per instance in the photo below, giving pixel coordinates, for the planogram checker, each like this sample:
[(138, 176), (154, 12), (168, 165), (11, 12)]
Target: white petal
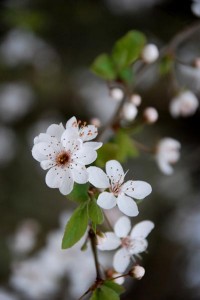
[(121, 260), (139, 245), (37, 155), (88, 133), (94, 145), (85, 155), (142, 229), (98, 178), (109, 242), (47, 149), (136, 189), (115, 171), (72, 123), (80, 174), (46, 164), (67, 183), (127, 206), (122, 227), (106, 200), (54, 177), (56, 130), (164, 166), (69, 136)]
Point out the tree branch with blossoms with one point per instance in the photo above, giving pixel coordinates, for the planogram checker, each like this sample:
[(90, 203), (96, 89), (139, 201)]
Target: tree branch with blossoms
[(67, 151)]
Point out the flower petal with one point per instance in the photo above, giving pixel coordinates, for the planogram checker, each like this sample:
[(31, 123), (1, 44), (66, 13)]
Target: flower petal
[(67, 183), (94, 145), (85, 155), (127, 206), (37, 154), (109, 242), (142, 229), (136, 189), (115, 171), (56, 130), (139, 245), (46, 164), (69, 137), (122, 227), (80, 174), (121, 260), (72, 122), (98, 178), (54, 177), (164, 166), (106, 200), (88, 133)]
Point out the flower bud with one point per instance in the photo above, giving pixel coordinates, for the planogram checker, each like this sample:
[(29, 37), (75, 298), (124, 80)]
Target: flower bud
[(137, 272), (150, 53), (136, 99), (150, 115), (96, 122), (129, 111), (116, 94)]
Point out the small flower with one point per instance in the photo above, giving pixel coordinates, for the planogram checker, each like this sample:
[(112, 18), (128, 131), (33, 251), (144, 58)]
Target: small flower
[(65, 154), (150, 115), (120, 193), (116, 94), (131, 244), (185, 105), (167, 153), (150, 53), (129, 111), (137, 272)]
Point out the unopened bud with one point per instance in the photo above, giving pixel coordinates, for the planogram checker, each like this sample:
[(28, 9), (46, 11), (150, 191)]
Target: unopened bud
[(96, 122), (137, 272), (129, 111), (150, 115), (150, 53), (116, 94), (197, 63), (136, 99)]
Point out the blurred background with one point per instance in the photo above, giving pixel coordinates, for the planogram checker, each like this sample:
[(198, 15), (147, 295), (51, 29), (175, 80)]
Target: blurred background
[(46, 48)]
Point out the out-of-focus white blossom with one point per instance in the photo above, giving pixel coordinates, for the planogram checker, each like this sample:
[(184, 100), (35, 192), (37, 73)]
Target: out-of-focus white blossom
[(65, 154), (185, 104), (129, 111), (130, 244), (5, 295), (25, 237), (150, 53), (167, 153), (138, 272), (120, 192), (195, 8), (136, 99), (96, 122), (129, 6), (116, 94), (197, 63), (150, 115), (16, 100)]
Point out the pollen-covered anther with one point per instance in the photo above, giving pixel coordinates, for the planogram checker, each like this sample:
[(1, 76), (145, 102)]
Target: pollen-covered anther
[(126, 242), (63, 158)]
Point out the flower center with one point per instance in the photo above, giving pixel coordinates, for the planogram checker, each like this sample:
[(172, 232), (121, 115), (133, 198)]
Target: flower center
[(63, 158), (115, 189), (126, 242)]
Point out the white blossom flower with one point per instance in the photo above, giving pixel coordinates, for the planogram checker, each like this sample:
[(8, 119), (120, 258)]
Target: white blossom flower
[(65, 154), (130, 244), (150, 114), (120, 193), (167, 153), (116, 94), (138, 272), (136, 99), (129, 111), (150, 53), (185, 104)]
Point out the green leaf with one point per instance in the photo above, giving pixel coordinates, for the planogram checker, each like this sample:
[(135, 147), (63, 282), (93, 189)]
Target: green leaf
[(75, 227), (127, 49), (119, 289), (126, 75), (95, 212), (104, 67), (104, 293), (126, 146), (106, 152), (166, 64), (79, 193)]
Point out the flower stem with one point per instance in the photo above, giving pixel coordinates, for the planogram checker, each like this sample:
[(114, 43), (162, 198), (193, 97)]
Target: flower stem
[(92, 238)]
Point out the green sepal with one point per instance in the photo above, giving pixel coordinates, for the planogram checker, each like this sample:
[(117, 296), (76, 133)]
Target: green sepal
[(128, 49), (79, 193), (104, 67), (76, 227)]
